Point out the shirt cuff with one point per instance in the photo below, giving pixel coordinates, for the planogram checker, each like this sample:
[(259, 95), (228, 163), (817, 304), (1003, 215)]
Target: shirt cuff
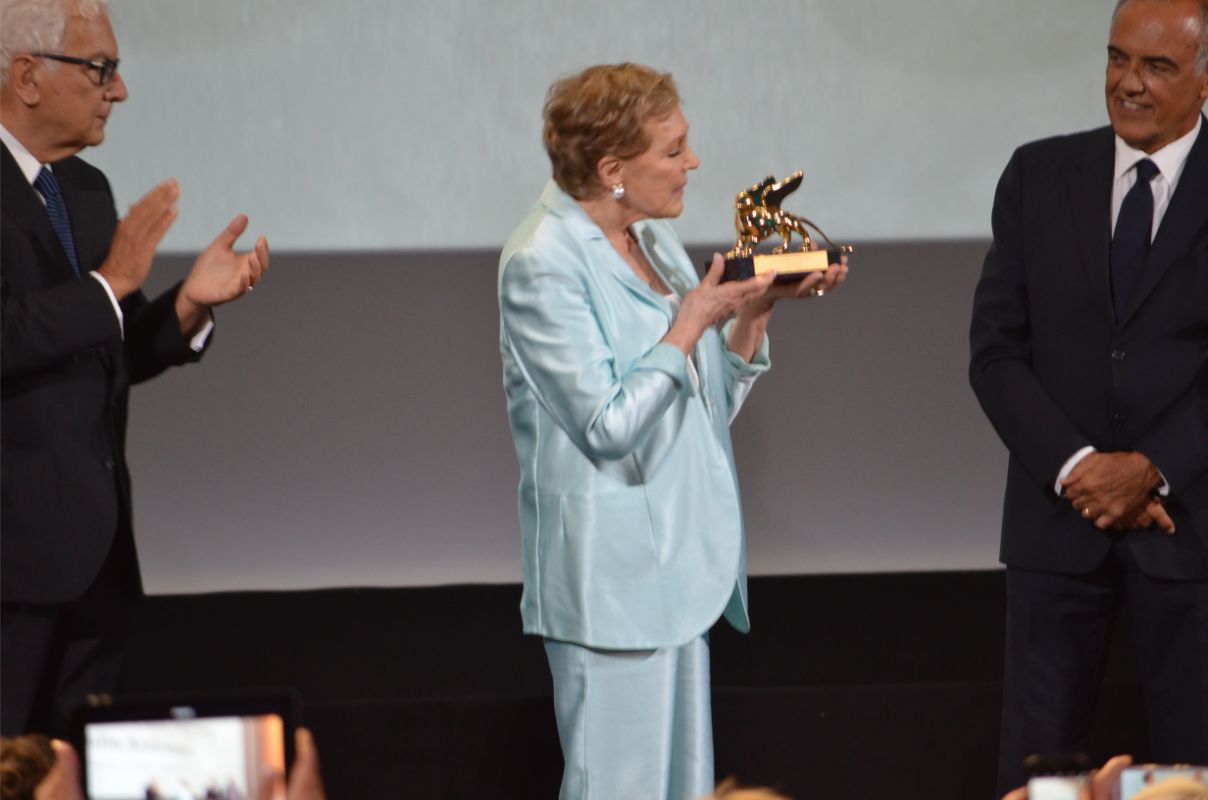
[(117, 307), (1164, 489), (668, 359), (198, 342), (1068, 467), (759, 363)]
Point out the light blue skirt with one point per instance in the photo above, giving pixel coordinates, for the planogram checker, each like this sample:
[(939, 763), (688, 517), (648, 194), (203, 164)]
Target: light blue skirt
[(634, 724)]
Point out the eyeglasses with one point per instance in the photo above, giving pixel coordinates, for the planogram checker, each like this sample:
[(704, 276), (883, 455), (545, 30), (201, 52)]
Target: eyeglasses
[(105, 68)]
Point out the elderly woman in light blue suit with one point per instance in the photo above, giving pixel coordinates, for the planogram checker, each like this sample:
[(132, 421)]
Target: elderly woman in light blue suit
[(623, 372)]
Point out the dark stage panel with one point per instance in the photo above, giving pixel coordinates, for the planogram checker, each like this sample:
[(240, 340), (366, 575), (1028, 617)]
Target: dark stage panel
[(847, 686)]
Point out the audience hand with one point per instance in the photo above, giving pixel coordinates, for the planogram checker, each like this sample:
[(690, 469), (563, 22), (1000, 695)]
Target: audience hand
[(1100, 786), (1105, 779), (63, 780), (304, 782)]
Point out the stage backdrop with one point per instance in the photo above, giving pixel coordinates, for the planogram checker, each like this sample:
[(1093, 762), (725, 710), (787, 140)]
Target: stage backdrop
[(390, 124), (348, 426)]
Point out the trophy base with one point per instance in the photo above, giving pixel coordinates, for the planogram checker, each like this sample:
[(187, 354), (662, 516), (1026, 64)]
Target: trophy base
[(789, 267)]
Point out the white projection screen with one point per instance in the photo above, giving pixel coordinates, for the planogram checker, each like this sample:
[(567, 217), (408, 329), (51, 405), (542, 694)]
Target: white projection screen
[(347, 427)]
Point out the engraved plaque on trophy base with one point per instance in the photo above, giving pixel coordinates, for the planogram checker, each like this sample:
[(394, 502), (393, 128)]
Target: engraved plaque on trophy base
[(789, 267)]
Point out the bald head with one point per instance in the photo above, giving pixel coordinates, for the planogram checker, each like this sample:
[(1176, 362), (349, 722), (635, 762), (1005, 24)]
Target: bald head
[(1201, 6)]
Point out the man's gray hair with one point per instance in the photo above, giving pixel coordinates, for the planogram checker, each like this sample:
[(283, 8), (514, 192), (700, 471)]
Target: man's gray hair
[(1201, 58), (38, 26)]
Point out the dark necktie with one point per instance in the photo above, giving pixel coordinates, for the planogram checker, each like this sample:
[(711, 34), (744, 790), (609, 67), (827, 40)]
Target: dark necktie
[(48, 186), (1130, 242)]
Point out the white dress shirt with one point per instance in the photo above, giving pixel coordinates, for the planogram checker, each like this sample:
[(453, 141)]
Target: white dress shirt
[(1170, 161)]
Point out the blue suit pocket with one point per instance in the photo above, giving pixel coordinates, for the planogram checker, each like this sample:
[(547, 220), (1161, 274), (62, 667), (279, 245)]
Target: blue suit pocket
[(598, 560), (609, 532)]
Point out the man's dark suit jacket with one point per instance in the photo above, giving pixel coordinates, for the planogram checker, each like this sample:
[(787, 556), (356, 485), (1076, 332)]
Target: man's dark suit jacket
[(1055, 369), (66, 375)]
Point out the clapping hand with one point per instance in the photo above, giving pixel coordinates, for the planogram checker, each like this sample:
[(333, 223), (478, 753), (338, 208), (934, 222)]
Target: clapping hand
[(137, 237), (219, 274)]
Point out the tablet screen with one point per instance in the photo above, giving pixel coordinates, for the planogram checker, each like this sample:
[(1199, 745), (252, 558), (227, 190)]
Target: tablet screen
[(185, 757)]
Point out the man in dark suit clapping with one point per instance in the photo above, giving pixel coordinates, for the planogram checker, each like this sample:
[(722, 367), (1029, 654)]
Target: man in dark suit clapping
[(77, 332), (1090, 331)]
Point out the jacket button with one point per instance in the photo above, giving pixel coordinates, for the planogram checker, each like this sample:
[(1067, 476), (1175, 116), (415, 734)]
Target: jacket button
[(1118, 355), (109, 463), (1117, 420)]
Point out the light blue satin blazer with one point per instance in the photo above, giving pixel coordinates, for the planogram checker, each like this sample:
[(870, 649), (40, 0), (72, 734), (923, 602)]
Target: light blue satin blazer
[(629, 509)]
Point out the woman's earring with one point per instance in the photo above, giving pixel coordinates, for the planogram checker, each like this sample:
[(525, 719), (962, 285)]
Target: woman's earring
[(618, 191)]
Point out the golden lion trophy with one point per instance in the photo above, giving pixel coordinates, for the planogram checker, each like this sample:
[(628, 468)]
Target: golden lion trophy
[(758, 216)]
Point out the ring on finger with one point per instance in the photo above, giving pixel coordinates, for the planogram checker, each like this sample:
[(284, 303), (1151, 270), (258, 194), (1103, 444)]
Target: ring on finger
[(1086, 511)]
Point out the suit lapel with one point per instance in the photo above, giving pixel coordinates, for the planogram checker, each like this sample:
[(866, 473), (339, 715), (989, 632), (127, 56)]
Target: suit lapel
[(673, 266), (1186, 214), (23, 206), (1090, 193), (602, 252), (624, 274), (667, 263)]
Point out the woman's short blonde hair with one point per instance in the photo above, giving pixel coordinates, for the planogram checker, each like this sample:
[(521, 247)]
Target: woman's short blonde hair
[(600, 112)]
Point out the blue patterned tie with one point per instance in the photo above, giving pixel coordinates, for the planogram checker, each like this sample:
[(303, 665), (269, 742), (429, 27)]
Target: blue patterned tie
[(48, 186), (1130, 242)]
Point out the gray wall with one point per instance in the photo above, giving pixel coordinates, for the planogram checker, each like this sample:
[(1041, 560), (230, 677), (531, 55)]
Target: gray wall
[(347, 428)]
